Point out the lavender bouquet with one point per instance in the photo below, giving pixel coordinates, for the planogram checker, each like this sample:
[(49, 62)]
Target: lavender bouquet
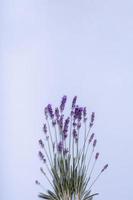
[(67, 152)]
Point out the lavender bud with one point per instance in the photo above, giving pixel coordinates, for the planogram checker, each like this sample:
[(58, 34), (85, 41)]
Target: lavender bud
[(94, 143), (76, 139), (60, 121), (91, 137), (63, 102), (96, 156), (74, 133), (105, 167), (84, 112), (41, 143), (50, 111), (46, 112), (53, 122), (78, 125), (60, 146), (37, 182), (57, 114), (45, 128), (41, 155), (74, 102), (65, 151)]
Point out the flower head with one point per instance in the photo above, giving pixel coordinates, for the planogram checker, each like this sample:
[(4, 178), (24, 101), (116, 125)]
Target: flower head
[(74, 102), (50, 111), (63, 102)]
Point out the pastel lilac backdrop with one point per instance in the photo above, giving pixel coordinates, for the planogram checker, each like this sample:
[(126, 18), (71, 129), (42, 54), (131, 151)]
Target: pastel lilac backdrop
[(54, 47)]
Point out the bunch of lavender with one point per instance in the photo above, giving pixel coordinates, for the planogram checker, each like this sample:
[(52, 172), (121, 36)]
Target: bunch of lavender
[(68, 152)]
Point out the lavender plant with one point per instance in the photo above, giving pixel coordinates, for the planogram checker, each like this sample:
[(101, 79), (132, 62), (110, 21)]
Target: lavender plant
[(67, 152)]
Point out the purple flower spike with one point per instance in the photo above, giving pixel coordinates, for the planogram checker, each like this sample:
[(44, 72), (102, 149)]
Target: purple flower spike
[(94, 143), (46, 112), (78, 113), (60, 147), (37, 182), (91, 137), (63, 102), (74, 102), (57, 114), (41, 155), (60, 121), (45, 128), (41, 143), (65, 151), (50, 111), (92, 119), (74, 133), (96, 156), (105, 167), (65, 130)]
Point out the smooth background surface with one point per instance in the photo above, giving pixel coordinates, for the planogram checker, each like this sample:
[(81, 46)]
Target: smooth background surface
[(54, 47)]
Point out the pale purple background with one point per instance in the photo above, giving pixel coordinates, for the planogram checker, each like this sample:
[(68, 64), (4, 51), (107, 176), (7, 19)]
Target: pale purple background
[(55, 47)]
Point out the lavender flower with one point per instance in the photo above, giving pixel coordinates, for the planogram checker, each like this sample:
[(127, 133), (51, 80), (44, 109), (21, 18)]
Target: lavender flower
[(57, 114), (50, 111), (45, 128), (105, 167), (63, 102), (60, 147), (41, 143), (96, 156), (65, 151), (74, 102), (46, 112), (65, 130), (74, 133), (78, 113), (91, 137), (60, 121), (94, 143), (92, 119)]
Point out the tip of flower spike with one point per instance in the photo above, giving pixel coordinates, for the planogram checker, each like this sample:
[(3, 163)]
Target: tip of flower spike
[(50, 111), (37, 182), (63, 102), (94, 143), (104, 168), (41, 143), (45, 128), (96, 156), (91, 137), (74, 102)]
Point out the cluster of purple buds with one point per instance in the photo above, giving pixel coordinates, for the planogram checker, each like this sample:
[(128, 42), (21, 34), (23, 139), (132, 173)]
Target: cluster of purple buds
[(60, 147), (75, 133), (94, 143), (60, 121), (41, 143), (37, 182), (57, 115), (74, 102), (63, 102), (78, 125), (50, 111), (84, 114), (91, 138), (65, 151), (46, 112), (53, 122), (78, 113), (45, 128), (96, 156), (105, 167), (92, 119), (41, 156), (65, 130)]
